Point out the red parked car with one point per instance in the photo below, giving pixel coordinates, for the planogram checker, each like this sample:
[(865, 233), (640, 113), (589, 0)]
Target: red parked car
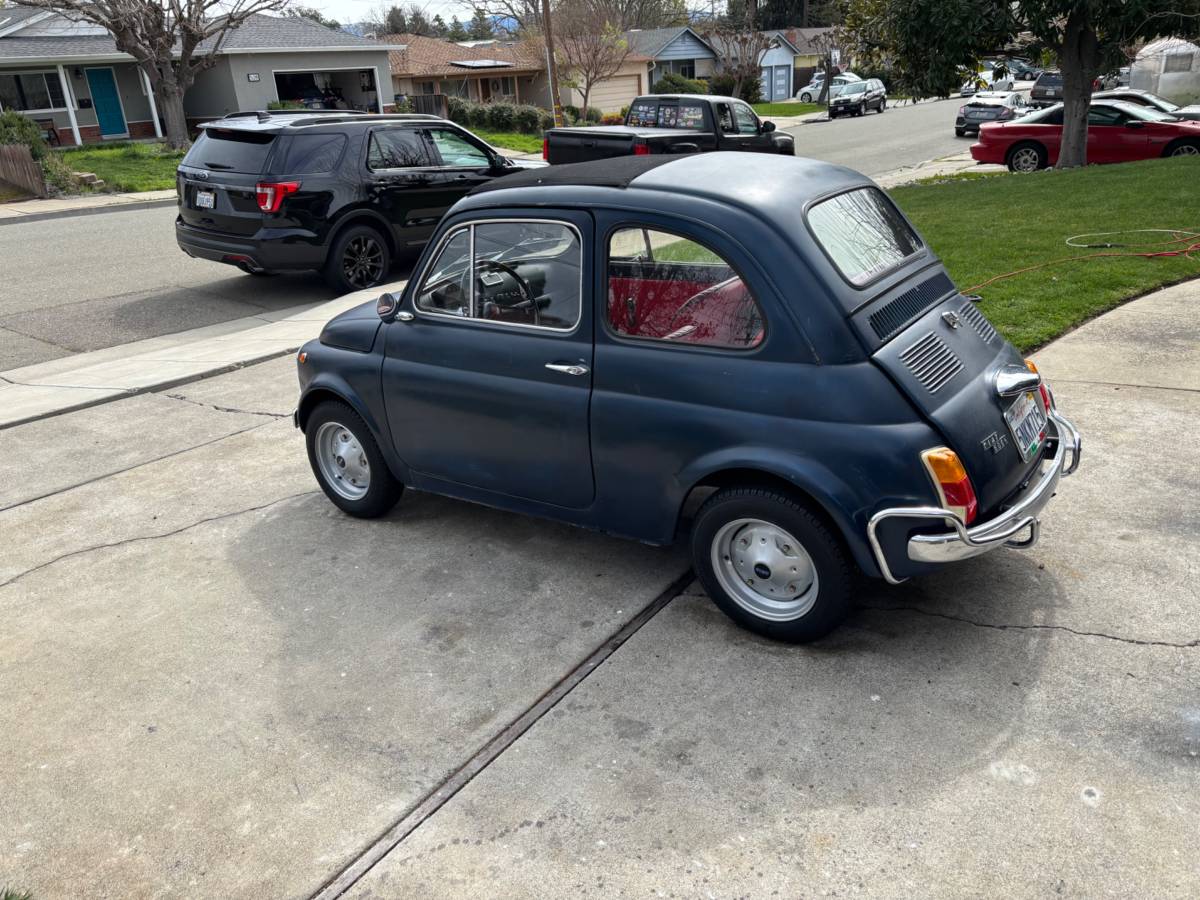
[(1117, 132)]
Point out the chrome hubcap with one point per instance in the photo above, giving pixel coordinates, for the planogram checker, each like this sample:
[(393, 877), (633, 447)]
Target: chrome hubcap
[(342, 461), (1186, 150), (363, 262), (1025, 160), (764, 570)]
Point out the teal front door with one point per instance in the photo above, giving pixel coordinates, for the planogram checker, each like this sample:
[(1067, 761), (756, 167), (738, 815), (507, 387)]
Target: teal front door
[(107, 103)]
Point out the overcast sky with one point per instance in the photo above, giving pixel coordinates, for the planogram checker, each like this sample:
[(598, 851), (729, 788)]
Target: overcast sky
[(357, 10)]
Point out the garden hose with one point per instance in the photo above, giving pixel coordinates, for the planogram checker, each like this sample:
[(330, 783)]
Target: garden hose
[(1165, 248)]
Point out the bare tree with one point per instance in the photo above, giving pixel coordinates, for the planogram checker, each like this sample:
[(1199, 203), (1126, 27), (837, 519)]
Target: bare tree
[(739, 45), (172, 41), (588, 50)]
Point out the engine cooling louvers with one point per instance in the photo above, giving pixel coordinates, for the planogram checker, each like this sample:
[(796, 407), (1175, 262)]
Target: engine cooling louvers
[(890, 319), (970, 314), (931, 362)]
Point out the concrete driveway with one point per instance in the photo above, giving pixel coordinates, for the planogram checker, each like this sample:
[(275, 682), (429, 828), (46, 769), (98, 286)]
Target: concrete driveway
[(217, 685)]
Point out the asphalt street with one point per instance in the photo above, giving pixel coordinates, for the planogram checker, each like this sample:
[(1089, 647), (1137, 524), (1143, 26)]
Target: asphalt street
[(904, 135), (87, 282)]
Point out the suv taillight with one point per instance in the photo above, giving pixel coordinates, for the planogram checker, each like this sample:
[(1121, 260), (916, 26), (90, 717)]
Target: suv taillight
[(546, 149), (270, 194), (950, 479), (641, 149)]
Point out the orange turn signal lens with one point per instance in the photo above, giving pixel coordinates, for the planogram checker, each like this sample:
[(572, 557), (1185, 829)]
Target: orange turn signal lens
[(954, 488), (1031, 366), (301, 357), (1043, 388), (944, 464)]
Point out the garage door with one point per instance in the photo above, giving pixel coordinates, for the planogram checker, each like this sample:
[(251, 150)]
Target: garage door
[(783, 83), (613, 93)]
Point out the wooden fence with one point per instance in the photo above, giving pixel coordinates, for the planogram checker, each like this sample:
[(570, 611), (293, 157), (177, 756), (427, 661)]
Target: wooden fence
[(17, 167)]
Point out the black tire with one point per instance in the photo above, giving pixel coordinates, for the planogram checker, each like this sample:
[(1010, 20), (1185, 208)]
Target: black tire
[(1182, 147), (358, 258), (383, 490), (883, 104), (958, 132), (814, 617), (1015, 156)]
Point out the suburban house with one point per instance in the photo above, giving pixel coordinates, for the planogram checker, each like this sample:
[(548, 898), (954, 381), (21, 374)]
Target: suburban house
[(809, 45), (680, 50), (497, 70), (70, 77)]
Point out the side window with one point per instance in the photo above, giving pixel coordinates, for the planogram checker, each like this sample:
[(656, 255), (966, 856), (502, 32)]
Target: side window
[(747, 122), (725, 119), (665, 287), (456, 151), (1104, 115), (396, 148), (516, 273), (313, 154)]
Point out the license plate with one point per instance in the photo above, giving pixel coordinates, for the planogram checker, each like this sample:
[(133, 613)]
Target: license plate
[(1027, 421), (205, 199)]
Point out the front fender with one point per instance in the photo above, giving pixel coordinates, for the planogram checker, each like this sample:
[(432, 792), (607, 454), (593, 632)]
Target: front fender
[(332, 386)]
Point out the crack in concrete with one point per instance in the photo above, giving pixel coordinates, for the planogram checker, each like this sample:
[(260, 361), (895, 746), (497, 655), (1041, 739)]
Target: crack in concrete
[(226, 409), (1002, 626), (150, 537), (1123, 384)]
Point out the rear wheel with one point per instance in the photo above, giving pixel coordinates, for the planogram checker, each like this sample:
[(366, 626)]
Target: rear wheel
[(1027, 157), (806, 97), (1183, 148), (958, 132), (358, 259), (771, 564), (347, 462)]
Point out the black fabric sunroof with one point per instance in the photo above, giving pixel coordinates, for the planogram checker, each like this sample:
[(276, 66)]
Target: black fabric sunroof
[(617, 172)]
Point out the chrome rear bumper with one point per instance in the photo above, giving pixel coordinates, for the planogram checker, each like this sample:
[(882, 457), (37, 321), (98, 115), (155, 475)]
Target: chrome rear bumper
[(964, 542)]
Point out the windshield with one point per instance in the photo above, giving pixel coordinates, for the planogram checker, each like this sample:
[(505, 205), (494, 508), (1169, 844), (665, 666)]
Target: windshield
[(863, 233), (1146, 113)]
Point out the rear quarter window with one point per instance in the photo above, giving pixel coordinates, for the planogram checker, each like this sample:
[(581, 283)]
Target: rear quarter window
[(230, 150), (313, 154), (863, 234)]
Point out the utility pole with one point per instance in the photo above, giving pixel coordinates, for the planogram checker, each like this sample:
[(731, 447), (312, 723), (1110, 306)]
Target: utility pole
[(555, 99)]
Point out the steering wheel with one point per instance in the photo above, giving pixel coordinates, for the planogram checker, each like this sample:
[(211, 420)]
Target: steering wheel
[(522, 285)]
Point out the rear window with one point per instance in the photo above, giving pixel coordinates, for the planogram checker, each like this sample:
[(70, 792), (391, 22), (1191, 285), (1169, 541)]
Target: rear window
[(648, 114), (863, 233), (1050, 79), (312, 154), (227, 150)]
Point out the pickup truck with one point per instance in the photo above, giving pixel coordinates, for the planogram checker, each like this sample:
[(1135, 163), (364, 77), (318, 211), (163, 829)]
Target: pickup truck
[(670, 123)]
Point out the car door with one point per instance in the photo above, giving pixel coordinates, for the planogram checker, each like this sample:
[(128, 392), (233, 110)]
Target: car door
[(1114, 136), (460, 164), (749, 134), (402, 184), (480, 390)]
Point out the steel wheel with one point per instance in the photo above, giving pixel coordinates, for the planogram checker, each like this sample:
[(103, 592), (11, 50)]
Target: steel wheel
[(362, 261), (1186, 150), (764, 570), (342, 461), (1025, 159)]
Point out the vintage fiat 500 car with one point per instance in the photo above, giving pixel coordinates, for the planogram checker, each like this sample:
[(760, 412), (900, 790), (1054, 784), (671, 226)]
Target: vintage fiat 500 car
[(612, 342)]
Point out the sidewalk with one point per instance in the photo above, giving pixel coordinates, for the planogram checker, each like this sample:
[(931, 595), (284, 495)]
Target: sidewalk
[(29, 210)]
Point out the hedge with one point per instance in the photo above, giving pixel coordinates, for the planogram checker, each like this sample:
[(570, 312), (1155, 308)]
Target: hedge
[(524, 119)]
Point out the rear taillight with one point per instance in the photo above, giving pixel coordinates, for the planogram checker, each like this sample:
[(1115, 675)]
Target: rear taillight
[(270, 194), (950, 479), (1043, 388), (546, 149), (641, 149), (962, 110)]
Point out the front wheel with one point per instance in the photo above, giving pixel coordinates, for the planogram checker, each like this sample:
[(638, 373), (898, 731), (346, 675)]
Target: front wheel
[(882, 105), (806, 97), (1183, 148), (347, 462), (1026, 158), (358, 259), (771, 564)]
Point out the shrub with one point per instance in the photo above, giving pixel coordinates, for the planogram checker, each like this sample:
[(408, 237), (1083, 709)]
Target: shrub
[(722, 84), (456, 110), (593, 115), (528, 119), (672, 83), (571, 113), (501, 116), (751, 90), (16, 129), (624, 112), (285, 104), (612, 119), (547, 120)]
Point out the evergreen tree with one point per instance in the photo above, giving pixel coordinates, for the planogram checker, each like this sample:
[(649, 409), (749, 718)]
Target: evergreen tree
[(456, 32), (481, 25)]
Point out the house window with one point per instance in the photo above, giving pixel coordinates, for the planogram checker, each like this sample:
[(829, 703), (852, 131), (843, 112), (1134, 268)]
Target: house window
[(684, 67), (426, 87), (30, 91)]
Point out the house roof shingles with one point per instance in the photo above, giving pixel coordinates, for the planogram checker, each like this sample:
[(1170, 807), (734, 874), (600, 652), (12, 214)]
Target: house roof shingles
[(426, 57), (259, 32)]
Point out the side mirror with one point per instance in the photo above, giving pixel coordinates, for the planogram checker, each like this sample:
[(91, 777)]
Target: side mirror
[(387, 305), (767, 127)]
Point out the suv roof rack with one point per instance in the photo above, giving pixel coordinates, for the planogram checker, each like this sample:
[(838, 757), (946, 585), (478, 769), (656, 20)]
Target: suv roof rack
[(375, 117)]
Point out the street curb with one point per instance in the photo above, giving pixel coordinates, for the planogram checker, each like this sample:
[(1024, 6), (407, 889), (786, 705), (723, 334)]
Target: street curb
[(85, 211)]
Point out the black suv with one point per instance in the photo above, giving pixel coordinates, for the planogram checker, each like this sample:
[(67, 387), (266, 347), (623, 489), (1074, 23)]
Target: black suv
[(857, 97), (341, 192)]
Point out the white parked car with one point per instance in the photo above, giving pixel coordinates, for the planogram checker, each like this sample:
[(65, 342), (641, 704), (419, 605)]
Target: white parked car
[(986, 80), (811, 91)]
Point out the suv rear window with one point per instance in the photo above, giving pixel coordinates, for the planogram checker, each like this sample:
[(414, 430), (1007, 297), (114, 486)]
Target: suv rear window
[(228, 150), (1050, 79), (863, 234), (312, 154)]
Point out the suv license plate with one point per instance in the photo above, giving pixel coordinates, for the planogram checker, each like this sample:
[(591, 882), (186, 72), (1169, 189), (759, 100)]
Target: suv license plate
[(1027, 421), (205, 199)]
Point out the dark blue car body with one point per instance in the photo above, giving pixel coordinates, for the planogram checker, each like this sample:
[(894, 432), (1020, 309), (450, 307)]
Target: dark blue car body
[(826, 406)]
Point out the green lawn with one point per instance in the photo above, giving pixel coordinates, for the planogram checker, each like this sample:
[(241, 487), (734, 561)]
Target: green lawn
[(983, 227), (511, 140), (127, 167), (787, 109)]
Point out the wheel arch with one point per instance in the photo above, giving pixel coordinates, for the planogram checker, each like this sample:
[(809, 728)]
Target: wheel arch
[(1178, 142), (363, 217), (809, 482), (1028, 142), (329, 388)]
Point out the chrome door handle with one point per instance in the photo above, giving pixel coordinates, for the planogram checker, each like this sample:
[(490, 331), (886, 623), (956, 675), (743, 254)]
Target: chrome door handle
[(567, 368), (405, 316)]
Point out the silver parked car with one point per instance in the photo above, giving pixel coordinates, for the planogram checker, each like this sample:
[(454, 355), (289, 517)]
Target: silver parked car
[(812, 91)]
